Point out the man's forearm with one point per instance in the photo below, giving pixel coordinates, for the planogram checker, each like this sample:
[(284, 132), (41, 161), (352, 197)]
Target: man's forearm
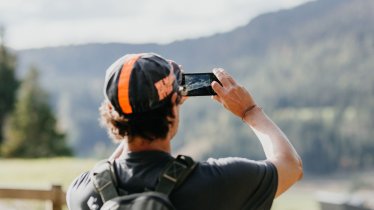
[(274, 142), (118, 151), (277, 148)]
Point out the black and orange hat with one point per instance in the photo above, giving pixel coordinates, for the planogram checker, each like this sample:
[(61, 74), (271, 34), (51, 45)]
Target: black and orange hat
[(137, 83)]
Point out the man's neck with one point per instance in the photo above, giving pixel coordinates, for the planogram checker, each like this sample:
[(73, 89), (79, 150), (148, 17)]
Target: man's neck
[(138, 144)]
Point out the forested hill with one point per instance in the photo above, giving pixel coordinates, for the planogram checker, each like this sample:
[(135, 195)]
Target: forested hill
[(310, 67)]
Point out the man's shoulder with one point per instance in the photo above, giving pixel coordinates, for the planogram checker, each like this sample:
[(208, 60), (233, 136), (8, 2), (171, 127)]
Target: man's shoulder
[(80, 191), (221, 178)]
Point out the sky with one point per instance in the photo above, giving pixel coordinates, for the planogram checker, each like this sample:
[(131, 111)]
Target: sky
[(42, 23)]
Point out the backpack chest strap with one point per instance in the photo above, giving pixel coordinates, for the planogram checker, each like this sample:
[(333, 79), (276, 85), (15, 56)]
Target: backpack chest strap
[(104, 179)]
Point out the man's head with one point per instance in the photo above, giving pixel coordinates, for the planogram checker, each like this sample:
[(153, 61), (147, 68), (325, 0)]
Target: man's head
[(138, 93)]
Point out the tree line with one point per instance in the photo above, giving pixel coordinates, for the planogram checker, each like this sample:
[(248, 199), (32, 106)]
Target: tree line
[(28, 124)]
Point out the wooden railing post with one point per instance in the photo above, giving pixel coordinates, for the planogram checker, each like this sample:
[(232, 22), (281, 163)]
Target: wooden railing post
[(57, 196)]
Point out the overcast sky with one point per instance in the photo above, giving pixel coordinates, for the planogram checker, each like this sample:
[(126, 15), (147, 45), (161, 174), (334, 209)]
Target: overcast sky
[(40, 23)]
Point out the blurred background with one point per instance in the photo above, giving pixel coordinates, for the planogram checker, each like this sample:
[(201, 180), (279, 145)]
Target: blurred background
[(309, 64)]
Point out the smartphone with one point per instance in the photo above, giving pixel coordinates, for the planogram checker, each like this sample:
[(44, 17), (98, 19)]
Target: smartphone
[(198, 84)]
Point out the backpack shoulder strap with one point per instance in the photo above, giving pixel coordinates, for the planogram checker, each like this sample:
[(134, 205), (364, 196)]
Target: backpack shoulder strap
[(104, 180), (175, 174)]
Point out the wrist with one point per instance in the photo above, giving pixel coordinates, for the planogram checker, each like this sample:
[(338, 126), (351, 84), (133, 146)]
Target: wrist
[(249, 113)]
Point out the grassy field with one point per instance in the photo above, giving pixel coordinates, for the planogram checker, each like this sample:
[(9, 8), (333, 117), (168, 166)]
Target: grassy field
[(38, 174), (42, 173)]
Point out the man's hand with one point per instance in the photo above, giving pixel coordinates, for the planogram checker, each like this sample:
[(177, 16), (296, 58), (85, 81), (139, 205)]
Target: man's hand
[(233, 97)]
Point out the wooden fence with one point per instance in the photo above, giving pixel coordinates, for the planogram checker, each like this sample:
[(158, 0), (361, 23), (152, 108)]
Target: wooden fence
[(55, 195)]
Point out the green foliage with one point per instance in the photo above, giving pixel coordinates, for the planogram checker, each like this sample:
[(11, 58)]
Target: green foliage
[(31, 129), (8, 85)]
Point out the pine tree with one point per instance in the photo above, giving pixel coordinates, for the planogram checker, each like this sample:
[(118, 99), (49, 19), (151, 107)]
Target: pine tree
[(31, 130), (8, 83)]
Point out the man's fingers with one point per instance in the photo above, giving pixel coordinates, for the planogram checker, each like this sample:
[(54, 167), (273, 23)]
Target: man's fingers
[(228, 77), (184, 98), (217, 88), (231, 80), (221, 76), (224, 77)]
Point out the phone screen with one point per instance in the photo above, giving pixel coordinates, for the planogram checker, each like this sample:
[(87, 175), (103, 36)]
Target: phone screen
[(198, 84)]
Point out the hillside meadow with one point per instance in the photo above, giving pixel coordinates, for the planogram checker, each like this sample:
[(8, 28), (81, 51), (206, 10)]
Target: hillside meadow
[(42, 173)]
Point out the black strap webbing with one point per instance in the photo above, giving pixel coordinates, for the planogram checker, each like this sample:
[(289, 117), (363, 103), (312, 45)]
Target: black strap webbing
[(104, 180), (175, 174), (172, 176)]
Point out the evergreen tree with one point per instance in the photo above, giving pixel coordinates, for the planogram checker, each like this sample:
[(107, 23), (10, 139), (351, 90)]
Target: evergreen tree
[(31, 130), (8, 83)]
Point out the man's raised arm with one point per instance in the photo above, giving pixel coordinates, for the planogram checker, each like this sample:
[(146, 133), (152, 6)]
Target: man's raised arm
[(275, 143)]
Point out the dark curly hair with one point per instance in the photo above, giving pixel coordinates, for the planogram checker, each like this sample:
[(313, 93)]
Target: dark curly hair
[(149, 125)]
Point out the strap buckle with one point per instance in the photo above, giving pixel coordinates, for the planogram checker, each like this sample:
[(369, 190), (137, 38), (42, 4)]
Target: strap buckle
[(174, 171)]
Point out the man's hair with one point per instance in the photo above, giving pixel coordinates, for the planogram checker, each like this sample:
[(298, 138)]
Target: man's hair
[(150, 125)]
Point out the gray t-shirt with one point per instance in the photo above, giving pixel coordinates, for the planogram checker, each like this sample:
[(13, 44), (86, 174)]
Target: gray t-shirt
[(216, 184)]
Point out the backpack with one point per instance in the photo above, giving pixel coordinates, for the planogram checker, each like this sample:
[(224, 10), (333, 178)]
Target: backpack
[(174, 174)]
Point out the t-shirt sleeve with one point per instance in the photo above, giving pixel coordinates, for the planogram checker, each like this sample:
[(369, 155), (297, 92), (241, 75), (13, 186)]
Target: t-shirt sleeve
[(81, 194), (252, 183)]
